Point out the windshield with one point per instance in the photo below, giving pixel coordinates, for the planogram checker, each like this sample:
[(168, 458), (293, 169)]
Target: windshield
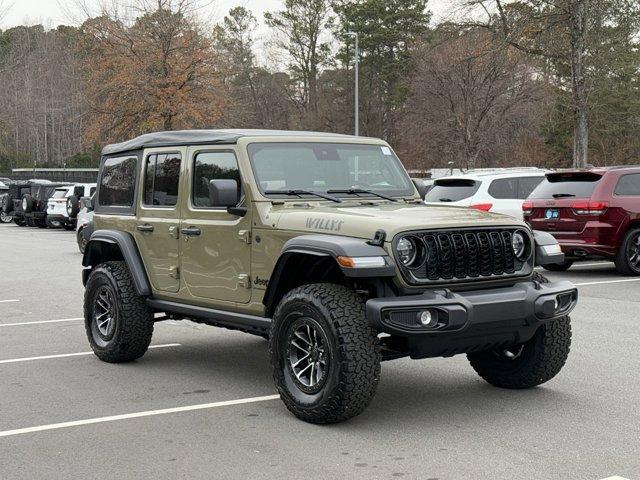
[(452, 190), (569, 185), (323, 167)]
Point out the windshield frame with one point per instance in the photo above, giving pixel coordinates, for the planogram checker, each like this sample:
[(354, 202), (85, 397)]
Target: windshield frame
[(355, 142)]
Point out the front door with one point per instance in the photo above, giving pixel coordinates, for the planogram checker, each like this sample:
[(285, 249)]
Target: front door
[(216, 251), (157, 228)]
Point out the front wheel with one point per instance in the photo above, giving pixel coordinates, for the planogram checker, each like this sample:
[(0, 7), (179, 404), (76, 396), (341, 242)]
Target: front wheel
[(325, 357), (5, 218), (118, 322), (528, 364), (628, 257)]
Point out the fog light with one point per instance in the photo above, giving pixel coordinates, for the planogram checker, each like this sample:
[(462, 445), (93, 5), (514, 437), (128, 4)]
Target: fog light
[(428, 318)]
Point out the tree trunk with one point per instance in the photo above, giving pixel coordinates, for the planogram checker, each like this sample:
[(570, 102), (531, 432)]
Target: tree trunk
[(580, 101), (167, 123)]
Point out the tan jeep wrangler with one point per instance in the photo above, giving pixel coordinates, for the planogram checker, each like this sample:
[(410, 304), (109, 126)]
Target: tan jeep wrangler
[(322, 244)]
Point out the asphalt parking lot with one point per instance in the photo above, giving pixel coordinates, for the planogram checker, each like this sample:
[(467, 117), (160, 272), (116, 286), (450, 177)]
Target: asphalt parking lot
[(200, 404)]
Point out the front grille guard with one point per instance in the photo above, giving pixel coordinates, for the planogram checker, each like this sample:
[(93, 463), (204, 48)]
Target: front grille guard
[(461, 255)]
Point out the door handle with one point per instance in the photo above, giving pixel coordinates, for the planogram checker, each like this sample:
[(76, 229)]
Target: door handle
[(145, 228), (192, 231)]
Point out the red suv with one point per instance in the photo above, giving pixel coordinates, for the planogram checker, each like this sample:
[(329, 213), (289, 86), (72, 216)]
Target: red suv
[(592, 213)]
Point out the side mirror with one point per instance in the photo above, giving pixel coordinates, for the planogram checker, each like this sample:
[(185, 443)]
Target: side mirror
[(223, 193), (421, 187), (86, 202)]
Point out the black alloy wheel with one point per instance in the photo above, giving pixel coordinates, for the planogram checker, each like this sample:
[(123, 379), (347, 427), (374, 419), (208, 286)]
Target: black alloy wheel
[(307, 355)]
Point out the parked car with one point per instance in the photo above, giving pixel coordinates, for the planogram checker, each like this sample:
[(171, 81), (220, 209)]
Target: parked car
[(592, 213), (84, 224), (497, 191), (64, 205), (34, 204), (11, 202)]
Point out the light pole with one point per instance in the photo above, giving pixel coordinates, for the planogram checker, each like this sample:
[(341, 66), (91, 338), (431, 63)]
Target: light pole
[(356, 74)]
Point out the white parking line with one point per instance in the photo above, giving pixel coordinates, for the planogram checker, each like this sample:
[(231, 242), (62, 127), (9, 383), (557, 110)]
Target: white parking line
[(40, 321), (7, 301), (64, 355), (608, 281), (127, 416), (615, 478)]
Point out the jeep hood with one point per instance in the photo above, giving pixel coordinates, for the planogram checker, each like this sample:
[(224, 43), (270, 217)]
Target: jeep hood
[(362, 220)]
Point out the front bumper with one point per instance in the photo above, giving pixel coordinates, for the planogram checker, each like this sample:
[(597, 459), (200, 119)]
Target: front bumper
[(471, 320)]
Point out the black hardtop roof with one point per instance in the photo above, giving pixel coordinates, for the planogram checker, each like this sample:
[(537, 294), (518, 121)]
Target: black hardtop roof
[(203, 137)]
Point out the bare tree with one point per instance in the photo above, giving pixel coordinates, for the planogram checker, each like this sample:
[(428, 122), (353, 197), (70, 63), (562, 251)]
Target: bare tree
[(471, 102)]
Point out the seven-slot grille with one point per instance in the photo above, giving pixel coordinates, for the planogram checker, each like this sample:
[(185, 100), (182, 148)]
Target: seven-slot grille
[(465, 254)]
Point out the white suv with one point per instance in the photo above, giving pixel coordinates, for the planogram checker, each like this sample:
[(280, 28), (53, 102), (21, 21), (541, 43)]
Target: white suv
[(501, 190), (64, 205)]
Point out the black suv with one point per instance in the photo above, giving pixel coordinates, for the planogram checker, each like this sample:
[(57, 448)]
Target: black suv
[(11, 201), (33, 205)]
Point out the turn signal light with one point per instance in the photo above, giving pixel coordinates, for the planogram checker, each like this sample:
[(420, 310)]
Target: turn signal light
[(483, 207), (527, 208), (589, 208)]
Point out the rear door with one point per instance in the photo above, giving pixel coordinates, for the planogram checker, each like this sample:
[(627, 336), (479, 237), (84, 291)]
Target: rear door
[(558, 201), (156, 231)]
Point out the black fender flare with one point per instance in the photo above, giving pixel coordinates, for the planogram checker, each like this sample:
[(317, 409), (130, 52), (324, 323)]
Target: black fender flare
[(332, 246), (547, 249), (93, 255)]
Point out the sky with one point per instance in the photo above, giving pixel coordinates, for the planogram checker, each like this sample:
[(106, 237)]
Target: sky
[(55, 12)]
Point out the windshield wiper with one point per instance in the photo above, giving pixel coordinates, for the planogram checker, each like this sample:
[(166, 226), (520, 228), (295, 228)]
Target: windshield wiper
[(356, 191), (562, 195), (298, 192)]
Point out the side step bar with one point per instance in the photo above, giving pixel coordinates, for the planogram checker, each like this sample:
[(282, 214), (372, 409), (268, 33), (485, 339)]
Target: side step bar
[(217, 318)]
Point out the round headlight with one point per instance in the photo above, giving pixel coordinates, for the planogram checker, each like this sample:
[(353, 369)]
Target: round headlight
[(407, 251), (519, 245)]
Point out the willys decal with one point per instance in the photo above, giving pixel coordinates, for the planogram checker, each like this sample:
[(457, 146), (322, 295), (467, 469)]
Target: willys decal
[(324, 224)]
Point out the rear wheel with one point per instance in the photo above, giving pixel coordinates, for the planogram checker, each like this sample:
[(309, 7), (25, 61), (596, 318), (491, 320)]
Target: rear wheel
[(628, 257), (118, 322), (559, 267), (324, 356)]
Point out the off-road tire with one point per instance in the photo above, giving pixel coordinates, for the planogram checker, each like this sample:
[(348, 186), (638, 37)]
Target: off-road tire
[(5, 218), (30, 202), (134, 319), (73, 206), (541, 358), (622, 259), (40, 223), (354, 363), (68, 226), (559, 267), (19, 221)]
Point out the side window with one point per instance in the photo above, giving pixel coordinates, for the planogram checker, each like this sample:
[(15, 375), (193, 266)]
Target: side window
[(504, 188), (92, 190), (117, 183), (628, 185), (526, 185), (162, 173), (212, 166)]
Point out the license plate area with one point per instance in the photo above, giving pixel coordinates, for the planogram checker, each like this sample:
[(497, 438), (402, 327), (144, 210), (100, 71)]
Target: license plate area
[(551, 214)]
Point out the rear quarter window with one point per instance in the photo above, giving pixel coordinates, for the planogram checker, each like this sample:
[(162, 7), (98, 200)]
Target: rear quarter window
[(452, 190), (628, 185), (117, 184), (569, 185)]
